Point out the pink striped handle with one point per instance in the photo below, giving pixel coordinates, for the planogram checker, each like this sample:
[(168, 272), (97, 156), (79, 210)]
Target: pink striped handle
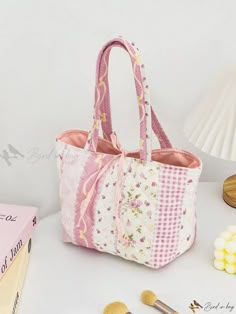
[(102, 63), (102, 104)]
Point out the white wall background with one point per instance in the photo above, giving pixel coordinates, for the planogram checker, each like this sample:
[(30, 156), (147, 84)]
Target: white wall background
[(48, 50)]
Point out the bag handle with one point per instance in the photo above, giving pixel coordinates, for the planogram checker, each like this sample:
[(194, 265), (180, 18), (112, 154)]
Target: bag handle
[(106, 122), (142, 91)]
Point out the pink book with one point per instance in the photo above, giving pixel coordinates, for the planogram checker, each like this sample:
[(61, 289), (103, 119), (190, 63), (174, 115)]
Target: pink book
[(16, 226)]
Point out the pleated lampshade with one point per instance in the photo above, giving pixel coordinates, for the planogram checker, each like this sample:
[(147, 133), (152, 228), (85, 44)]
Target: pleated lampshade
[(211, 126)]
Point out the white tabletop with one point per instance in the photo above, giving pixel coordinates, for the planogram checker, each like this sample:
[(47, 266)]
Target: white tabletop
[(66, 279)]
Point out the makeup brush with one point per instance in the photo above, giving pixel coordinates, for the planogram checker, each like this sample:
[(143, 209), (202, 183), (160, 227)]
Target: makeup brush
[(149, 298), (116, 308)]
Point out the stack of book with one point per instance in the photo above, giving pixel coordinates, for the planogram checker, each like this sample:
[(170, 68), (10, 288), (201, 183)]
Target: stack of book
[(16, 227)]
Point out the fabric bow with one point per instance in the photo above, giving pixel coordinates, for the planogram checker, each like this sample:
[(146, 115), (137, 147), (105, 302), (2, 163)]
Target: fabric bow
[(118, 193)]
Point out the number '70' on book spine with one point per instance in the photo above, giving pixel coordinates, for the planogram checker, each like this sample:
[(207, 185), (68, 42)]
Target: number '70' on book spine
[(9, 256)]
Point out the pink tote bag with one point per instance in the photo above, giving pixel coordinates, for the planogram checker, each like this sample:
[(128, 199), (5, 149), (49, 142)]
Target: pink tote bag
[(139, 205)]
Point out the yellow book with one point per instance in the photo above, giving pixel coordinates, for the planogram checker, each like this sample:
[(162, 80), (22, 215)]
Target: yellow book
[(11, 283)]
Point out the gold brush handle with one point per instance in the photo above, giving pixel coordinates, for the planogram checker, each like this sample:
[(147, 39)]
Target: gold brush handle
[(164, 308)]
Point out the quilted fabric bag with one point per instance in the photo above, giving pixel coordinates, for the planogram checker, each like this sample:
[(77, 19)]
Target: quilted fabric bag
[(139, 205)]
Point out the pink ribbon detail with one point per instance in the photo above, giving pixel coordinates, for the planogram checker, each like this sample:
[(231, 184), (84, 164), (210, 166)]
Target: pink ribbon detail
[(118, 194)]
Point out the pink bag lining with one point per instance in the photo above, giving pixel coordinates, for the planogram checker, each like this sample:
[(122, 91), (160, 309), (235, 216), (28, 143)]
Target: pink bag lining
[(169, 156)]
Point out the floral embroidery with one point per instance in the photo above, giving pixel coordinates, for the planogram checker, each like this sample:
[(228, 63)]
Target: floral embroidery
[(128, 240), (135, 204), (137, 210)]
